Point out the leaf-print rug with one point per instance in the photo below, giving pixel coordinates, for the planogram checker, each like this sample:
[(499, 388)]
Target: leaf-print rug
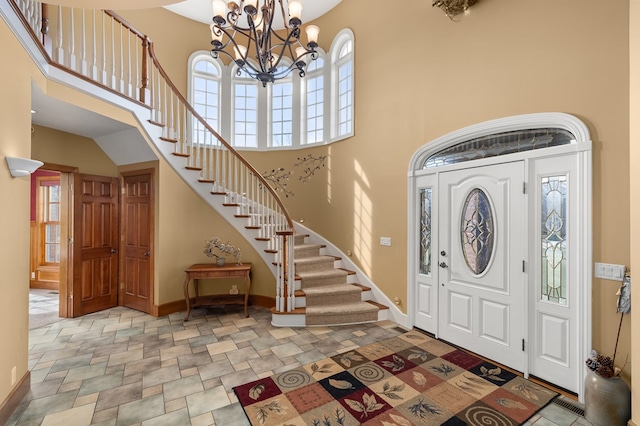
[(411, 379)]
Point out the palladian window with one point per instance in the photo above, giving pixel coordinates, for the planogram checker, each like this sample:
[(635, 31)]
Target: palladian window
[(288, 113)]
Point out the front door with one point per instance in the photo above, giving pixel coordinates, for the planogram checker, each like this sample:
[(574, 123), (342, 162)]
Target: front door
[(95, 244), (481, 252), (137, 235)]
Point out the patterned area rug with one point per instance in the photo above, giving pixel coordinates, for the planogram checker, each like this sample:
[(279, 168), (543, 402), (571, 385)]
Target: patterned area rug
[(411, 379)]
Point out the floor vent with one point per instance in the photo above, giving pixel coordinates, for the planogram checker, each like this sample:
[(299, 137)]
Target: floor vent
[(568, 405)]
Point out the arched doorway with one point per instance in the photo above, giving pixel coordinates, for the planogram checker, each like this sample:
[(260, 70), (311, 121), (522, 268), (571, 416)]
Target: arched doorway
[(500, 243)]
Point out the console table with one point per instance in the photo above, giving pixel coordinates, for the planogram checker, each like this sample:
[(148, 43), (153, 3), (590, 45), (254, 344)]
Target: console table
[(202, 271)]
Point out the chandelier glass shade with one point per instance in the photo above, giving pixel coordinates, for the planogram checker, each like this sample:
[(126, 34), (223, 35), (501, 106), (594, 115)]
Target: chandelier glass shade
[(247, 29)]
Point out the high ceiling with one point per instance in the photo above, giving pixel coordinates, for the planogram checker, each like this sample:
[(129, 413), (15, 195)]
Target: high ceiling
[(198, 10)]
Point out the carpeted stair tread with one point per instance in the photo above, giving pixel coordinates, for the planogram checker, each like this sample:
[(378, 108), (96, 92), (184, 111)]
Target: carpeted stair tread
[(307, 250), (322, 278), (328, 298), (343, 313), (314, 263), (326, 295)]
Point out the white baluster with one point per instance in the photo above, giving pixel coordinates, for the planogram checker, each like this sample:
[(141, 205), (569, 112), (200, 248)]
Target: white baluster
[(104, 80), (94, 52), (72, 40), (129, 85), (122, 89), (83, 61), (59, 57), (113, 56)]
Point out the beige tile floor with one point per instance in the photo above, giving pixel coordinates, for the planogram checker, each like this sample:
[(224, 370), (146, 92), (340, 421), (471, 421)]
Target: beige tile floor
[(123, 367)]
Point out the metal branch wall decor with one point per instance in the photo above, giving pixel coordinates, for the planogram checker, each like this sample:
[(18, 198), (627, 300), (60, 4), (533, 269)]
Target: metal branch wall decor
[(313, 164), (279, 177), (454, 7)]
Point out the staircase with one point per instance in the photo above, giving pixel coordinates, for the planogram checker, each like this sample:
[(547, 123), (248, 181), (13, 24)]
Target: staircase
[(326, 294), (312, 285)]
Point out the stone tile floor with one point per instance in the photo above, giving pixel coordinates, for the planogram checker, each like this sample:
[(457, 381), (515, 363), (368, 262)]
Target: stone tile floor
[(123, 367)]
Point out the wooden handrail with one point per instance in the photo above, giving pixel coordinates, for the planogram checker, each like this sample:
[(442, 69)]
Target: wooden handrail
[(202, 121)]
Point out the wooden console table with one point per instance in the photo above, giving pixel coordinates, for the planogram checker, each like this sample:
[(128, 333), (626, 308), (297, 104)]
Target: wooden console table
[(202, 271)]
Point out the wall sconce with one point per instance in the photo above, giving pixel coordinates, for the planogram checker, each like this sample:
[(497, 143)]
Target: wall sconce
[(22, 166), (454, 7)]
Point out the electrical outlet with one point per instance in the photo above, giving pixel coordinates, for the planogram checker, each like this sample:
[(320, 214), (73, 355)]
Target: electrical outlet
[(385, 241), (13, 376), (609, 271)]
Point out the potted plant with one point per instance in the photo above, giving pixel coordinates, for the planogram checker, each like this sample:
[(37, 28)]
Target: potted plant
[(607, 396), (216, 244)]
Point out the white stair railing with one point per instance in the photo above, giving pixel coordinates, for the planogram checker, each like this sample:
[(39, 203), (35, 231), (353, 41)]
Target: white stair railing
[(101, 47)]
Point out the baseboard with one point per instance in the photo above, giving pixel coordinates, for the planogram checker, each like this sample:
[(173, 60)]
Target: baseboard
[(169, 308), (262, 301), (180, 305), (10, 404)]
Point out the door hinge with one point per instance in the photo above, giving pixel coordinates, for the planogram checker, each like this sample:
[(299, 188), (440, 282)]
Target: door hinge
[(523, 266), (524, 187), (522, 345)]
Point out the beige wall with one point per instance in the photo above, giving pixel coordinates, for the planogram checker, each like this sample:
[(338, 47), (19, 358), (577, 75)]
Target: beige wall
[(57, 147), (15, 120)]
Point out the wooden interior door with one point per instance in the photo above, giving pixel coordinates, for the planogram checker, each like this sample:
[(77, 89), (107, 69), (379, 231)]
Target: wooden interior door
[(95, 244), (137, 240)]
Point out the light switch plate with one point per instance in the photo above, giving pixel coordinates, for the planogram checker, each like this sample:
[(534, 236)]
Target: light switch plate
[(385, 241), (609, 271)]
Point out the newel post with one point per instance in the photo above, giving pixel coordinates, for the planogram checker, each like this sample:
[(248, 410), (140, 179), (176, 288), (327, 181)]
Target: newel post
[(285, 287), (144, 76)]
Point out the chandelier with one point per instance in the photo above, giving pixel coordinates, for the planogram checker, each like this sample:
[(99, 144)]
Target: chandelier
[(454, 7), (258, 47)]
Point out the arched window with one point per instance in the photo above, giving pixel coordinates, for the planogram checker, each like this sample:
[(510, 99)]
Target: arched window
[(245, 110), (281, 106), (342, 76), (288, 113), (205, 93), (314, 105)]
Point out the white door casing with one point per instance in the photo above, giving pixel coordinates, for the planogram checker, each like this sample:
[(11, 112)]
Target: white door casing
[(482, 227), (557, 332)]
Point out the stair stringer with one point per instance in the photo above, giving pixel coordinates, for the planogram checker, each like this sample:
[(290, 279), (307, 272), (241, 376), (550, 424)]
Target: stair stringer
[(215, 201), (394, 313)]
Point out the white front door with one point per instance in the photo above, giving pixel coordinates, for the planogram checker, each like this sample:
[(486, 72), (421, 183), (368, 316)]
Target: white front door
[(480, 253), (515, 280)]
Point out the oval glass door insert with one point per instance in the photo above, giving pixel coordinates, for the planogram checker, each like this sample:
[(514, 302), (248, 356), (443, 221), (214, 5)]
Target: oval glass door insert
[(477, 231)]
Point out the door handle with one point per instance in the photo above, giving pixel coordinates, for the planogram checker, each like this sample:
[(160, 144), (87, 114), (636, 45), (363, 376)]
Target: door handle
[(147, 253), (443, 265), (113, 251)]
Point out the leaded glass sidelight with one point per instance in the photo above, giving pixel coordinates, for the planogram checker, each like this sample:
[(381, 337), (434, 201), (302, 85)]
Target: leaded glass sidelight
[(477, 231), (425, 231), (554, 239)]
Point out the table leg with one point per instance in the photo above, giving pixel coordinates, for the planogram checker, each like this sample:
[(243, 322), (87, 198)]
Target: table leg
[(246, 295), (186, 297)]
